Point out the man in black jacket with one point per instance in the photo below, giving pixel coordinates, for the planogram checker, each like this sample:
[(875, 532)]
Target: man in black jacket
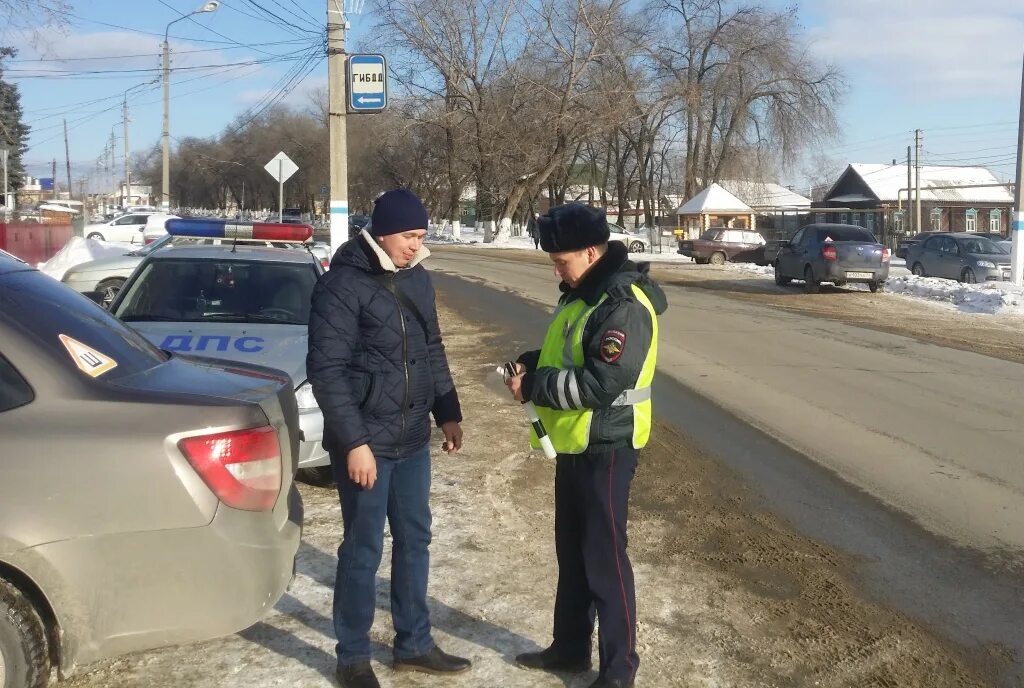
[(591, 385), (378, 370)]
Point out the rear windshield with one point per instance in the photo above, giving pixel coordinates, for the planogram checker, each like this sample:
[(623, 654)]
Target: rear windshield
[(858, 234), (710, 235), (74, 329), (179, 290)]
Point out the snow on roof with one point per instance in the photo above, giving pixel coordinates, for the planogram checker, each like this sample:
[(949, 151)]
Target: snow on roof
[(713, 199), (758, 194), (886, 180)]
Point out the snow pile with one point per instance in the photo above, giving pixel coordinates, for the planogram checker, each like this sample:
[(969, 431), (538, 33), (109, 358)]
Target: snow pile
[(763, 270), (79, 250), (990, 298)]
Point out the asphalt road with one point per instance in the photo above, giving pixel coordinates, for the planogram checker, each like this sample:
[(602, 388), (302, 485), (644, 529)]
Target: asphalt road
[(936, 433), (906, 454)]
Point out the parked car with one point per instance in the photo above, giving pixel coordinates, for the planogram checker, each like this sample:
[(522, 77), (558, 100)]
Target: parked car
[(248, 302), (834, 253), (719, 244), (905, 244), (146, 499), (963, 256), (106, 275), (634, 241), (156, 227), (126, 228)]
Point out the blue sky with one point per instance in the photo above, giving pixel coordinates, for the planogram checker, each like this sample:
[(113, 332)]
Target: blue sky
[(950, 68)]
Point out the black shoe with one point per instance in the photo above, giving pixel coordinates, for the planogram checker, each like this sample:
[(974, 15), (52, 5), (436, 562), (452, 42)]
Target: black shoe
[(434, 662), (603, 682), (551, 659), (358, 675)]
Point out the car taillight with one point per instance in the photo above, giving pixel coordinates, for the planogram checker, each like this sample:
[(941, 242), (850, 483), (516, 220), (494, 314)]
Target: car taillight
[(241, 467), (325, 263), (885, 255), (829, 253), (148, 241)]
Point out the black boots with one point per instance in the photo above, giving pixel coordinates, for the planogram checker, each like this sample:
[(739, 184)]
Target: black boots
[(551, 659), (359, 675), (436, 661)]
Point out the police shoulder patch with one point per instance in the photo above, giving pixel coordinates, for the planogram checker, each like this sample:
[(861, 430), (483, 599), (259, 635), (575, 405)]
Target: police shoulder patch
[(613, 343)]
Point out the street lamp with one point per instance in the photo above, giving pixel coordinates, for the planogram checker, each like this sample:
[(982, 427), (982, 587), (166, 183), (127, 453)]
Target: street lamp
[(165, 201)]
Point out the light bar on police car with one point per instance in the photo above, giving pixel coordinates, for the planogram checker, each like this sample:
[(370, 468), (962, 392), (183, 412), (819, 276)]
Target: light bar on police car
[(204, 228)]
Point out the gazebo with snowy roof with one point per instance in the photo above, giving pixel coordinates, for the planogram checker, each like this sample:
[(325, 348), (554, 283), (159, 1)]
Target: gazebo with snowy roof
[(714, 207)]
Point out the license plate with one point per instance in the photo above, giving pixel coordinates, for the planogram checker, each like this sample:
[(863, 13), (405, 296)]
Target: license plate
[(860, 275)]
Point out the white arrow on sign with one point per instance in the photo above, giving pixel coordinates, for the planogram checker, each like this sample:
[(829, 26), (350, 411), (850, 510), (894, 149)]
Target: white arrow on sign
[(363, 100), (281, 167)]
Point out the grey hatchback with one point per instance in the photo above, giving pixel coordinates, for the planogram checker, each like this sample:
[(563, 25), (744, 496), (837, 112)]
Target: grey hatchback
[(145, 499), (961, 256), (832, 253)]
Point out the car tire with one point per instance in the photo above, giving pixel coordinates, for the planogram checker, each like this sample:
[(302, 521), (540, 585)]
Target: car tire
[(918, 270), (811, 285), (23, 647), (111, 285), (781, 280), (318, 476), (968, 277), (636, 247), (95, 235), (717, 258), (876, 286)]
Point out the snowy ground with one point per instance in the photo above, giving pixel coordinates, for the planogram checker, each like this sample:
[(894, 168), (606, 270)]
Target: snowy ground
[(729, 596)]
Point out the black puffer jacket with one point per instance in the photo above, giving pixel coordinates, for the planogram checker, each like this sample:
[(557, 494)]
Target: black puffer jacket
[(376, 369)]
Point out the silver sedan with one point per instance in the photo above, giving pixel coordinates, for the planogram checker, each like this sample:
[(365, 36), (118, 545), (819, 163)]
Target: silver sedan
[(961, 256)]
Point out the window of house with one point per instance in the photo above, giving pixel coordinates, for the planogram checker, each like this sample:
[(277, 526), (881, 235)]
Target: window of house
[(844, 219), (995, 220), (971, 220), (897, 222), (936, 217), (870, 224)]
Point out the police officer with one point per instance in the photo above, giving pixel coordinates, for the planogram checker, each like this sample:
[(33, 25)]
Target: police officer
[(591, 384)]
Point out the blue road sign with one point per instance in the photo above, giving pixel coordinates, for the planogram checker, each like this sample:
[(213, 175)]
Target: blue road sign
[(367, 83), (323, 189)]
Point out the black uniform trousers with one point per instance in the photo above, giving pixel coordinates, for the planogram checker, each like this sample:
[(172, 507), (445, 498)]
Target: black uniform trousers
[(594, 573)]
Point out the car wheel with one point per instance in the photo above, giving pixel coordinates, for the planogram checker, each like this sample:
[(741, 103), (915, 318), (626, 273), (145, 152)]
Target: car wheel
[(876, 286), (811, 285), (318, 476), (717, 258), (636, 247), (95, 235), (780, 279), (24, 654), (968, 277), (918, 270), (110, 287)]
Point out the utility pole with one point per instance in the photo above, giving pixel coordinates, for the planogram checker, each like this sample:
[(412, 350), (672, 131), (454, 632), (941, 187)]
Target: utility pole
[(1017, 228), (165, 193), (337, 107), (110, 162), (127, 171), (917, 178), (909, 225), (54, 196), (67, 159)]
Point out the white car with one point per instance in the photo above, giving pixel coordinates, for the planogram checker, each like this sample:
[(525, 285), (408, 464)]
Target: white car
[(156, 227), (127, 228), (635, 243)]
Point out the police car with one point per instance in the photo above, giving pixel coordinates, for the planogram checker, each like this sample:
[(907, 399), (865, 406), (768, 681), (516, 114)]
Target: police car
[(239, 299)]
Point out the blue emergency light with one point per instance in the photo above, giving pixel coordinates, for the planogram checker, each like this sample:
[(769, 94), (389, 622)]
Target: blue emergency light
[(209, 228)]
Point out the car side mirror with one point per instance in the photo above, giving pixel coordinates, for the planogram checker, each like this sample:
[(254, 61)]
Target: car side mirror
[(95, 296)]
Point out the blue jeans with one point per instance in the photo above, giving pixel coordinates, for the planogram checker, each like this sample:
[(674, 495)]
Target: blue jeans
[(400, 495)]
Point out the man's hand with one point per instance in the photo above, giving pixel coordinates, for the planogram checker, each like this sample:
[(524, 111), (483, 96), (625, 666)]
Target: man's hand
[(515, 385), (452, 437), (362, 466)]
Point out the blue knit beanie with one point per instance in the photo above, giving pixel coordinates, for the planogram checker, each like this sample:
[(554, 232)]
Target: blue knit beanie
[(398, 210)]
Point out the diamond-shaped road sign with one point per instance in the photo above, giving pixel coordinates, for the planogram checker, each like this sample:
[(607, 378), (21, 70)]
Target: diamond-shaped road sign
[(281, 167), (367, 83)]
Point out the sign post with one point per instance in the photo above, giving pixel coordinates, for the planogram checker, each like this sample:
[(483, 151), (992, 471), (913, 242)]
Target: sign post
[(281, 168), (367, 83)]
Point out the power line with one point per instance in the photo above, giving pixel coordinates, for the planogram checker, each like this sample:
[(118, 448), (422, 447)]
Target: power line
[(175, 52), (281, 21)]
